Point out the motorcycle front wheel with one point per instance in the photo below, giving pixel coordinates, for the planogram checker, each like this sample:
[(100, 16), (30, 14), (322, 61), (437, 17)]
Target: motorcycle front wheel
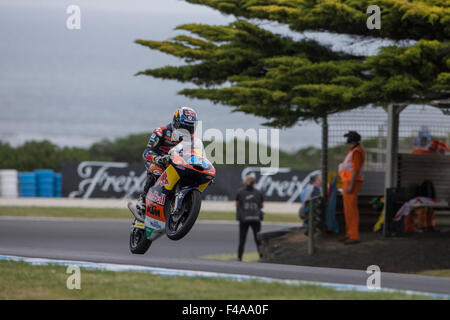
[(178, 225), (139, 243)]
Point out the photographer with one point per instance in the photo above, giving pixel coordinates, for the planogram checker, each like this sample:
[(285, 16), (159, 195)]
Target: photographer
[(249, 202)]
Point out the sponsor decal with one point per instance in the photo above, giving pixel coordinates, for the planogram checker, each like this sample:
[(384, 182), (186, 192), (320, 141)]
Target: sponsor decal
[(273, 185), (156, 171), (159, 132), (122, 180), (156, 197), (139, 225), (153, 223), (177, 203), (163, 180), (105, 178), (189, 114), (154, 211)]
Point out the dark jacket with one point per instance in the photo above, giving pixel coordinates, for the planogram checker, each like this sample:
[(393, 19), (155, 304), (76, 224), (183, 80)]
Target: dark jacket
[(250, 201)]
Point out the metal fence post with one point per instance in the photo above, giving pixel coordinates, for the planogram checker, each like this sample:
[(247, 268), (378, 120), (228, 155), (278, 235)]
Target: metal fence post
[(324, 160), (311, 228), (390, 180)]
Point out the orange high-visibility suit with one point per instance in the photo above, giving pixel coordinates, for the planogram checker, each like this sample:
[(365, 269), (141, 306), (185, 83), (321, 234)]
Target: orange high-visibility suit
[(351, 166)]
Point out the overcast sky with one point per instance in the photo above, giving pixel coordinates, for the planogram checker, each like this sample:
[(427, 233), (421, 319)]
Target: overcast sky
[(76, 87)]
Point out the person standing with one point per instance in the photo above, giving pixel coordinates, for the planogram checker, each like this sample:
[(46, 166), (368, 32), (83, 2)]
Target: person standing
[(352, 181), (249, 202)]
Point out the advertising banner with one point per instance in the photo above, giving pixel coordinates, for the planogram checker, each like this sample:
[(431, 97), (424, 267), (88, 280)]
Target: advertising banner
[(93, 179)]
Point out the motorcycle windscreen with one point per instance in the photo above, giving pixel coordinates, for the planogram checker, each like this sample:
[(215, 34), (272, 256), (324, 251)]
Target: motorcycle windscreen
[(193, 154)]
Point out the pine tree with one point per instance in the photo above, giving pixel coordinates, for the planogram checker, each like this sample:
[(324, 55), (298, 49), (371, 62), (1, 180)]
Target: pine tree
[(402, 19), (272, 76)]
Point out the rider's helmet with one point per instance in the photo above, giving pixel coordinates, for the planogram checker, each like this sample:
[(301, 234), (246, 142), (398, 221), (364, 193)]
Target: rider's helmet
[(185, 118)]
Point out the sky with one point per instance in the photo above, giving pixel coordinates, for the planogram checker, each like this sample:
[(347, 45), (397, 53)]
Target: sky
[(75, 87)]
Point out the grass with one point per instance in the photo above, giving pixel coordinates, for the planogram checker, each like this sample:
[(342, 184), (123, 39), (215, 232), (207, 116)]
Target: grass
[(20, 280), (436, 273), (247, 257), (122, 213)]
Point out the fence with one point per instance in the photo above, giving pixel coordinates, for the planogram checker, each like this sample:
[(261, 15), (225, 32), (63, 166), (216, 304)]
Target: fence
[(418, 124)]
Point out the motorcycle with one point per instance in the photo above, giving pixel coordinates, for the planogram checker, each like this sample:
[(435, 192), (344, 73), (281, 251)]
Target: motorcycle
[(173, 202)]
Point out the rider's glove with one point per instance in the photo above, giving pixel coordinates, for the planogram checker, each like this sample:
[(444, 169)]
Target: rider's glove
[(162, 161)]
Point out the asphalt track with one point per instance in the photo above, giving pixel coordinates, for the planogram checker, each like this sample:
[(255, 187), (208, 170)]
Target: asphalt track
[(101, 240)]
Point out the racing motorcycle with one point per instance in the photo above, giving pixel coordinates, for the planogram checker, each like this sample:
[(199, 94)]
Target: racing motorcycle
[(173, 202)]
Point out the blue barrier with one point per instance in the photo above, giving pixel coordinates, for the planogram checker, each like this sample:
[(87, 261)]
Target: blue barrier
[(40, 183), (45, 183), (27, 184), (58, 185)]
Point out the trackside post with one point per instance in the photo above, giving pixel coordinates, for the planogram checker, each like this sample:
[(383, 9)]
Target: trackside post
[(311, 227)]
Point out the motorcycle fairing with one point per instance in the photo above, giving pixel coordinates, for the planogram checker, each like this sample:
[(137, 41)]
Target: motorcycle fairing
[(157, 197), (162, 191), (179, 197), (172, 177)]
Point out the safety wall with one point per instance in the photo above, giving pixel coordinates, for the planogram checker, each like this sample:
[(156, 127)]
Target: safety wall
[(9, 184), (39, 183)]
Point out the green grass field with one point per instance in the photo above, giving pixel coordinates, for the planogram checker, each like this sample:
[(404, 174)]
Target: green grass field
[(20, 280), (123, 213), (436, 273)]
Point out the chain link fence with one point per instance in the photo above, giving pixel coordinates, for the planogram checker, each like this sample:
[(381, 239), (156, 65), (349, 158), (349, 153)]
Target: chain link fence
[(418, 124)]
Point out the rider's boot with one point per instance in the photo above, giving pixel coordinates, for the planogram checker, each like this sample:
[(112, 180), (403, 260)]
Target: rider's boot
[(140, 205)]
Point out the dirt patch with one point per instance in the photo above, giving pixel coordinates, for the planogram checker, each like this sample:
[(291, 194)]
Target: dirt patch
[(411, 253)]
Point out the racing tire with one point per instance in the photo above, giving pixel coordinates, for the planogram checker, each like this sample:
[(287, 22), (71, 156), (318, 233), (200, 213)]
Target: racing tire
[(139, 243), (191, 206)]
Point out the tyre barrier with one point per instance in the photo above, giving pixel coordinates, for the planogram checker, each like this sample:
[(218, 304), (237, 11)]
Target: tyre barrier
[(45, 183), (58, 185), (27, 184), (40, 183), (9, 184)]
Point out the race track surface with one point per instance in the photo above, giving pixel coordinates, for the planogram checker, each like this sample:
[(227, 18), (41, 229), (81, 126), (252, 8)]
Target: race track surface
[(101, 240)]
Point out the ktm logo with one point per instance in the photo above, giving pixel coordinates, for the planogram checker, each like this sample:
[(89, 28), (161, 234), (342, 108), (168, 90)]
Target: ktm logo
[(153, 210)]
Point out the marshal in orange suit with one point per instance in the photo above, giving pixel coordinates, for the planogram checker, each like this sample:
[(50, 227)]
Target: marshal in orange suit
[(352, 181)]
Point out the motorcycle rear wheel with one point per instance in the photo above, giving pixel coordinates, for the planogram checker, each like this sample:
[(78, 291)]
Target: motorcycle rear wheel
[(176, 230), (139, 243)]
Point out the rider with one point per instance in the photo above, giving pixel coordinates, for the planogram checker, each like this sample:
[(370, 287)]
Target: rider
[(161, 141)]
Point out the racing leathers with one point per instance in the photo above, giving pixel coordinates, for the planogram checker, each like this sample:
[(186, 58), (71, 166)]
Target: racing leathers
[(161, 141)]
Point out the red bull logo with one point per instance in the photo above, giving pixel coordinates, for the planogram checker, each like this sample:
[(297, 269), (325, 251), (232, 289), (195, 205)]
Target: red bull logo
[(163, 180), (157, 198)]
